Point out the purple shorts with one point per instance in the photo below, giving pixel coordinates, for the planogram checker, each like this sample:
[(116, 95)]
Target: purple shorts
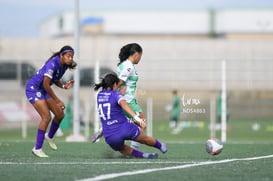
[(127, 131), (33, 94)]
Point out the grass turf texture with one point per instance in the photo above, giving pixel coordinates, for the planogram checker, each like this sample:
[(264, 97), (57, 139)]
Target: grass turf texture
[(75, 161), (85, 160), (237, 130)]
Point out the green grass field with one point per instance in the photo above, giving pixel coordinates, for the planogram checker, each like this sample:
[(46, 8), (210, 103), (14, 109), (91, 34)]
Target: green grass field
[(185, 160)]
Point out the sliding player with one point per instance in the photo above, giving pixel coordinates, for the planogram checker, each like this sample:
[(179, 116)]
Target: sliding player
[(116, 126)]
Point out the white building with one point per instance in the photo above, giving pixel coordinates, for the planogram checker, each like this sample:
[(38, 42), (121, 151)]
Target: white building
[(183, 22), (177, 52)]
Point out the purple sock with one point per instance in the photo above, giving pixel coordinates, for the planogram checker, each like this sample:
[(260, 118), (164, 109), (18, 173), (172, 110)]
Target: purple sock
[(53, 128), (39, 139), (157, 144), (137, 154)]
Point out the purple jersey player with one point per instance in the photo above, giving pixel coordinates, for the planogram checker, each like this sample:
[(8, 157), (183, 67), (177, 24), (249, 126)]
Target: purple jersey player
[(116, 127), (42, 97)]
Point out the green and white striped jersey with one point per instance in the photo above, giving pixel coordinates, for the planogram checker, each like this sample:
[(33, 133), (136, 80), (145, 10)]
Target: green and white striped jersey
[(127, 72)]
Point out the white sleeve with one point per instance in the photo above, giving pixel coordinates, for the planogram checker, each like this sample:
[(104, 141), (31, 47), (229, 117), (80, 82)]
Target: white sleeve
[(125, 72)]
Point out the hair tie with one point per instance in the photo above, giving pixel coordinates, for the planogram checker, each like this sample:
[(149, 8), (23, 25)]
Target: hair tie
[(66, 51)]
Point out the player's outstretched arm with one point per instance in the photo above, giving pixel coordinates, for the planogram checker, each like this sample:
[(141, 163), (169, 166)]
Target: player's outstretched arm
[(129, 110)]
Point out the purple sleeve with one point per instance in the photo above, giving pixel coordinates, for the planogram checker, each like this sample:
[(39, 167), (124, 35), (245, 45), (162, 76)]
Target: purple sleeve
[(118, 96), (49, 69)]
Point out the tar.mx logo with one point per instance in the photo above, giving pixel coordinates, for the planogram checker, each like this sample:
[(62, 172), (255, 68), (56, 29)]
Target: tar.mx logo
[(192, 105), (190, 101)]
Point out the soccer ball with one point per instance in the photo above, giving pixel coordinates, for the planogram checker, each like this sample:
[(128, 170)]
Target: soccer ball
[(214, 146)]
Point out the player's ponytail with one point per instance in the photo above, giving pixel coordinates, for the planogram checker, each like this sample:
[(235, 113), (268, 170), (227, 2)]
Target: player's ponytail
[(73, 65), (107, 82), (97, 86)]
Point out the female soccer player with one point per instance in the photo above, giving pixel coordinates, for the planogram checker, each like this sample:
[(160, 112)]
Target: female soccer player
[(129, 55), (42, 97), (116, 126)]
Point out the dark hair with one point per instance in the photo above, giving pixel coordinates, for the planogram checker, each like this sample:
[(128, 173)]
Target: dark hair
[(63, 51), (107, 82), (128, 50)]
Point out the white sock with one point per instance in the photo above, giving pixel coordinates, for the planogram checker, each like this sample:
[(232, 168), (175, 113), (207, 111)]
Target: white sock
[(135, 145)]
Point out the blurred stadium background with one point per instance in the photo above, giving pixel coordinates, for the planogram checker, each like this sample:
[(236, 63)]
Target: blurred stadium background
[(183, 50)]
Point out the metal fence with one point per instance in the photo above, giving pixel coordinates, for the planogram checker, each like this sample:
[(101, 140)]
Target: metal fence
[(249, 87)]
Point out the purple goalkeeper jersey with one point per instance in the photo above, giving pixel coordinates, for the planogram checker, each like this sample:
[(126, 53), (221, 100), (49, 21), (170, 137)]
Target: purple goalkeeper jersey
[(52, 69)]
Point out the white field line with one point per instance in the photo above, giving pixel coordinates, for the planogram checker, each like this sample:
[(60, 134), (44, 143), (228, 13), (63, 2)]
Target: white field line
[(7, 142), (90, 163), (144, 171)]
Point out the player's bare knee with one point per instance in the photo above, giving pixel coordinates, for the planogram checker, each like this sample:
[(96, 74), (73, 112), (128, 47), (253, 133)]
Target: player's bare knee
[(46, 118), (59, 117)]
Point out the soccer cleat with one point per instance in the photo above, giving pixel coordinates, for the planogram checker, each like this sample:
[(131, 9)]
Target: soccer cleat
[(51, 142), (95, 137), (150, 155), (39, 153), (163, 148)]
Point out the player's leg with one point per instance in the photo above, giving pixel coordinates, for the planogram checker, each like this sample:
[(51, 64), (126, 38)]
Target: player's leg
[(150, 141), (129, 151), (137, 109), (55, 123), (96, 136), (43, 110), (117, 143), (175, 120), (135, 144), (127, 131)]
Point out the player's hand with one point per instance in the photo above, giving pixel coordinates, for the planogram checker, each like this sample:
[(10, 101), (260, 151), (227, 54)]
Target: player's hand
[(142, 124), (69, 84)]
